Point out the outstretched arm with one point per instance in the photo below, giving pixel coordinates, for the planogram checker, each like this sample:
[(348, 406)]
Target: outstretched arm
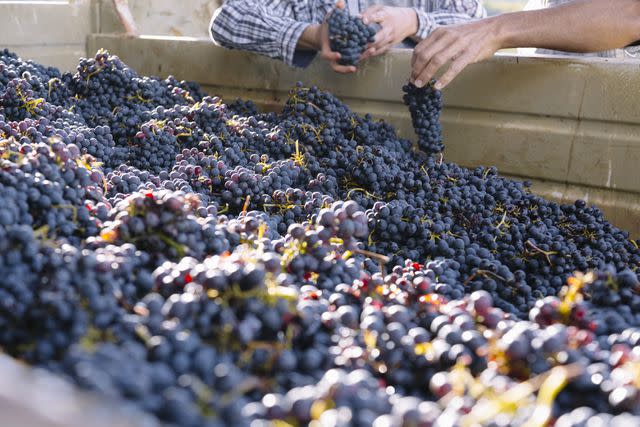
[(126, 18), (270, 28), (581, 26), (290, 30)]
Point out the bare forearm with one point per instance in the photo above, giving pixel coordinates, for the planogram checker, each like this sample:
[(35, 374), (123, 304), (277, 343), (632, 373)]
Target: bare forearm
[(582, 26), (126, 18), (310, 38)]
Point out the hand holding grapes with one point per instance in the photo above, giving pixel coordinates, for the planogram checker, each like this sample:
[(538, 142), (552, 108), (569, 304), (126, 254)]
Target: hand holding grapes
[(397, 24), (316, 37), (457, 45)]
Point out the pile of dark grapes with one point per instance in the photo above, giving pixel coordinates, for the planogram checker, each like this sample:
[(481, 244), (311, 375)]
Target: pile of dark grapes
[(349, 36), (211, 265)]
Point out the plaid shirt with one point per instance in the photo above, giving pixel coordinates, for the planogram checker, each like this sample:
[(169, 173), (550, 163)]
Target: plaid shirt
[(273, 27)]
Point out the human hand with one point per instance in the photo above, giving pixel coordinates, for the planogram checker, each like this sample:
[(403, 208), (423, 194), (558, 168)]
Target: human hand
[(397, 23), (325, 47), (329, 55), (456, 45), (316, 37)]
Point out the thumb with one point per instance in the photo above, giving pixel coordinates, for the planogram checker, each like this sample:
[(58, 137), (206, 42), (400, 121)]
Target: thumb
[(340, 4), (368, 16)]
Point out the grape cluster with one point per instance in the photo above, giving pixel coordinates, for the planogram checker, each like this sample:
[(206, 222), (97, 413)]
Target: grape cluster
[(52, 296), (54, 186), (340, 398), (292, 205), (163, 224), (212, 265), (349, 36), (425, 105)]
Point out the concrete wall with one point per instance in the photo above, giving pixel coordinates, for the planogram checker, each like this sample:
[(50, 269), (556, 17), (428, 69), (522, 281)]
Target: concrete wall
[(569, 125), (188, 18), (53, 33)]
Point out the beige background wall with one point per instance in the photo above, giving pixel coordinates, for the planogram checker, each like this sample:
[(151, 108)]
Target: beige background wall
[(189, 18), (53, 34), (56, 33)]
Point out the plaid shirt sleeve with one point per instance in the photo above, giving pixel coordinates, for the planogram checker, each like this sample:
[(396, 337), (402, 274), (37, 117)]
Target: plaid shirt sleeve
[(434, 13), (271, 28)]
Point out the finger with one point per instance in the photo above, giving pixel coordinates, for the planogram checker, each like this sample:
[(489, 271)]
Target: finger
[(330, 55), (368, 53), (379, 16), (382, 38), (438, 61), (340, 4), (422, 49), (381, 35), (370, 12), (428, 47), (455, 68), (390, 41), (343, 69), (433, 56), (383, 44), (385, 48), (367, 15)]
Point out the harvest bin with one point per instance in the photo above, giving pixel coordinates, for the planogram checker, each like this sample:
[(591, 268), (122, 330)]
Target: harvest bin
[(571, 126), (31, 397)]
